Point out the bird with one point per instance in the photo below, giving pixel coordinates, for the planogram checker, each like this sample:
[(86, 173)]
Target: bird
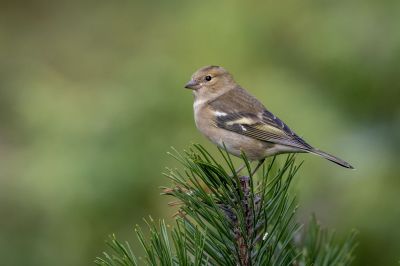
[(236, 121)]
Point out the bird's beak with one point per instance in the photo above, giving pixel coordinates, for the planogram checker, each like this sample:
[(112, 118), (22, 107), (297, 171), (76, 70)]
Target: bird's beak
[(192, 84)]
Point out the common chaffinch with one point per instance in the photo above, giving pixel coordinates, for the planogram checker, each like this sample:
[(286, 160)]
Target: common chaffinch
[(236, 121)]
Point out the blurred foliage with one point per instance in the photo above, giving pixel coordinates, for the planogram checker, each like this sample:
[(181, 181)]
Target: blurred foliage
[(91, 98)]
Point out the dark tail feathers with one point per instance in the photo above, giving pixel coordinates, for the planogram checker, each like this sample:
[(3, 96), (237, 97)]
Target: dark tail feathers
[(332, 158)]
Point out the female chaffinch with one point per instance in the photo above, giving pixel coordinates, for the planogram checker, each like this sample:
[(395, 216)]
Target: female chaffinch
[(235, 120)]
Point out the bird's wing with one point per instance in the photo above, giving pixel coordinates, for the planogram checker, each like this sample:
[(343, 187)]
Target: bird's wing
[(242, 113), (263, 126)]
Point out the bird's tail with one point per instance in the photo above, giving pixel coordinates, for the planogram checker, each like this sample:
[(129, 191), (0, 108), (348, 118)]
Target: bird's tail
[(332, 158)]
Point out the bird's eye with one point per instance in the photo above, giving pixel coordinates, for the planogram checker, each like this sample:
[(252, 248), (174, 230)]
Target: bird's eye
[(208, 77)]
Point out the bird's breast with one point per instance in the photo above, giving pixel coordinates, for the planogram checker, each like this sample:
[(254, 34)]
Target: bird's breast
[(234, 143), (202, 116)]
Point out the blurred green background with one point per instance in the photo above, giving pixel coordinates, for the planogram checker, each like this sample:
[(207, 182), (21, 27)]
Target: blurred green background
[(92, 98)]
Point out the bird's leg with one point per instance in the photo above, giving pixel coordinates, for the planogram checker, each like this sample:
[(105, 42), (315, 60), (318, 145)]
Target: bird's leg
[(240, 169), (260, 162), (237, 171)]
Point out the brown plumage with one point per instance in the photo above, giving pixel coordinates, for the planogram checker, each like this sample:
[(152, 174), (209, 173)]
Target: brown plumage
[(229, 116)]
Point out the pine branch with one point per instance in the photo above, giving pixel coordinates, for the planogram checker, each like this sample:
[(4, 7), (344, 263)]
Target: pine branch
[(226, 219)]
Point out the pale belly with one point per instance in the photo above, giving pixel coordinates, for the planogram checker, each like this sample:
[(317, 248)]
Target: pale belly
[(234, 143), (237, 144)]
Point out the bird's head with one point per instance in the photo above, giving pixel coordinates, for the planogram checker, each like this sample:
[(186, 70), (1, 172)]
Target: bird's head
[(210, 82)]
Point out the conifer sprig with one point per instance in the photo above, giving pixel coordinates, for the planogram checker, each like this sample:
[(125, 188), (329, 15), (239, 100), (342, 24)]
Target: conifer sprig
[(228, 219)]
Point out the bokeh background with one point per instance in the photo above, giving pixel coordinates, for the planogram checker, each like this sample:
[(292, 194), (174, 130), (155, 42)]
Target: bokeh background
[(92, 98)]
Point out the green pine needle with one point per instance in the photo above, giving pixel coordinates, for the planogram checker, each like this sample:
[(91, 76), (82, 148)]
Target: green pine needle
[(227, 219)]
